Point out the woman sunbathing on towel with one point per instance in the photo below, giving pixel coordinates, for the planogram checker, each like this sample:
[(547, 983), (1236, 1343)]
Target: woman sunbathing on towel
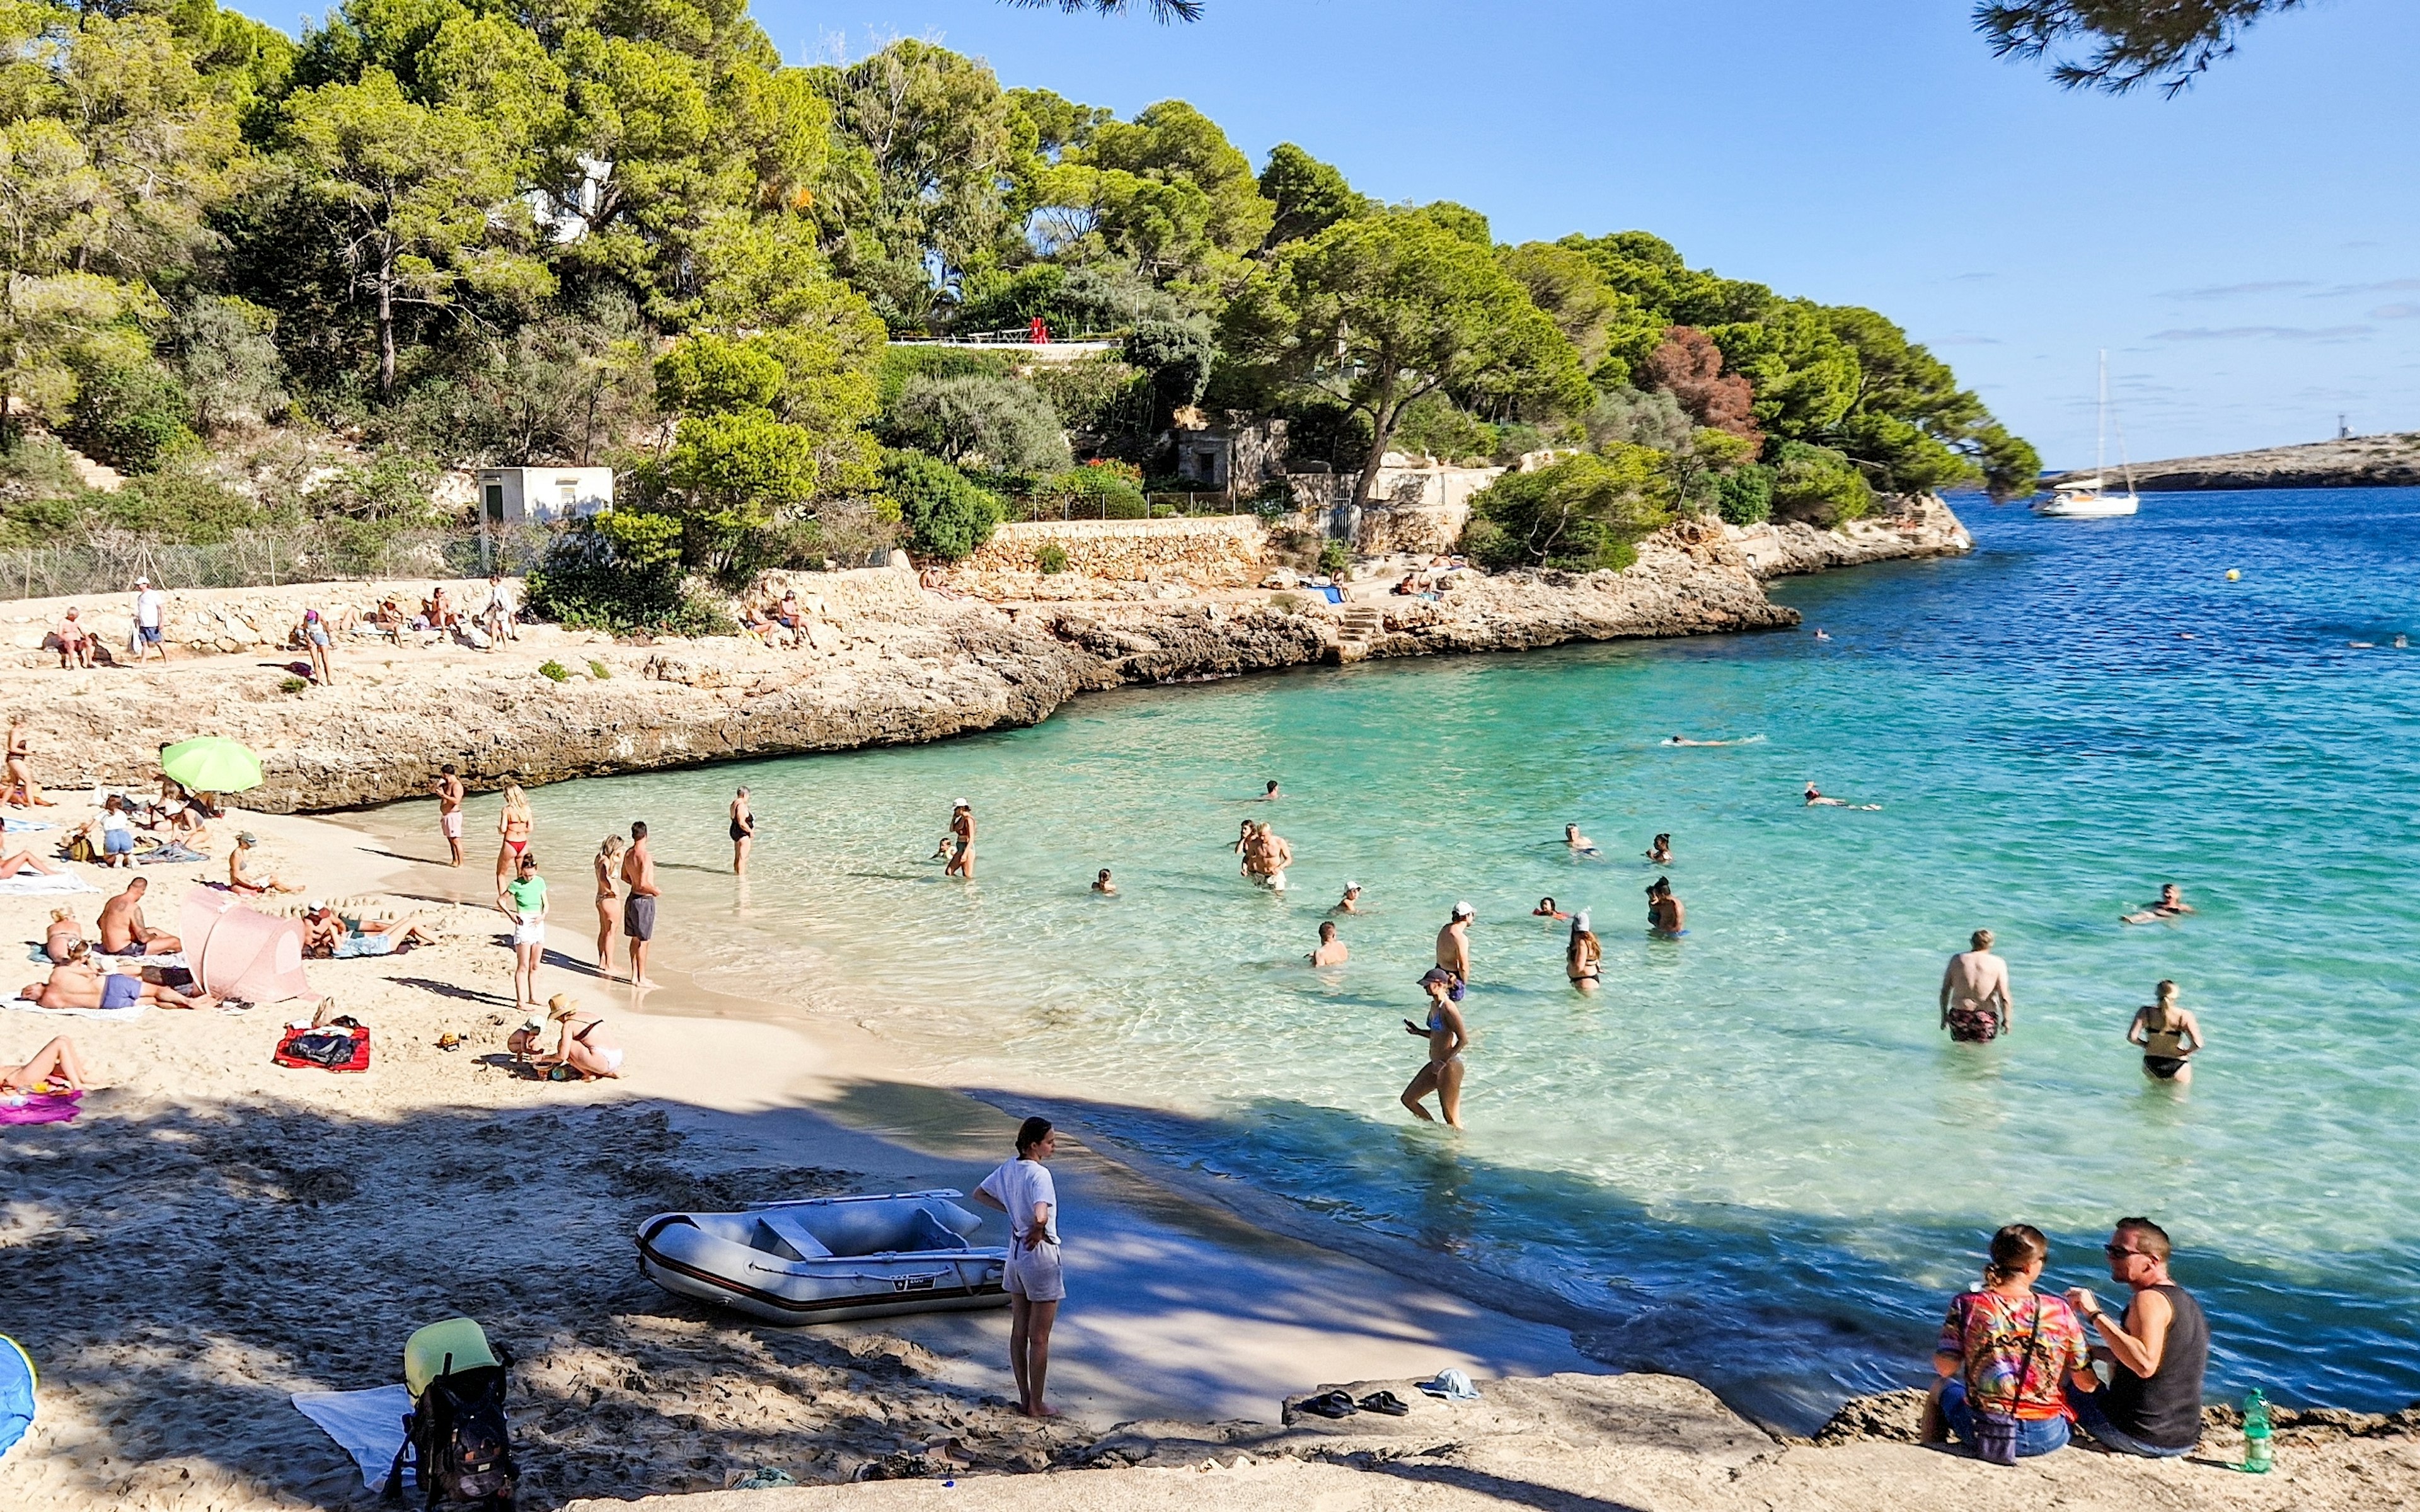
[(325, 936), (11, 865), (76, 984), (56, 1064), (63, 935)]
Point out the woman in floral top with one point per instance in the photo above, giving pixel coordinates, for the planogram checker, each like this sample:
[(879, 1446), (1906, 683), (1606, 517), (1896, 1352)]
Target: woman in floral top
[(2006, 1349)]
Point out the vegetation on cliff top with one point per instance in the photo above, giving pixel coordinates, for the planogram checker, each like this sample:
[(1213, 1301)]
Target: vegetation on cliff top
[(283, 282)]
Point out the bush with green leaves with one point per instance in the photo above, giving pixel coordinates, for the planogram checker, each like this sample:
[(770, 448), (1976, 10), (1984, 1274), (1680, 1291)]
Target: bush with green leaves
[(1745, 495), (599, 670), (553, 672), (1819, 485), (1583, 512), (129, 411), (1051, 557), (1001, 423), (226, 352), (1178, 355), (1091, 490), (179, 504), (1334, 558), (620, 571), (946, 515), (1434, 425)]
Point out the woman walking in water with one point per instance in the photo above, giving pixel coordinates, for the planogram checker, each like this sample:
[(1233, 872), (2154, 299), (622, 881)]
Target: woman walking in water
[(515, 824), (743, 833), (1582, 955), (2169, 1035), (1022, 1189), (1448, 1038), (608, 864)]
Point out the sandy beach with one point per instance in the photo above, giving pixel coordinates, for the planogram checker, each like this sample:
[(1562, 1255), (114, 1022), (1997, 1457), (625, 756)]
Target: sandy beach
[(214, 1233)]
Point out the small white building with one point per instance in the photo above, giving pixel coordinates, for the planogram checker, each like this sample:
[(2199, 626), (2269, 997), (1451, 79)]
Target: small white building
[(545, 494)]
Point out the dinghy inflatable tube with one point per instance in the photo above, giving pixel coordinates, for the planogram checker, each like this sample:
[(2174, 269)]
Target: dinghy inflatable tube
[(828, 1258)]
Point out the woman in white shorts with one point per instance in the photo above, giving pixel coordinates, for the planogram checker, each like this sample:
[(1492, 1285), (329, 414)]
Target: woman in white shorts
[(1022, 1189), (523, 900)]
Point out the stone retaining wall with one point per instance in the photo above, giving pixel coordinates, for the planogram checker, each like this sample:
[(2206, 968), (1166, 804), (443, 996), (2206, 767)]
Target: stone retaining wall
[(1223, 551), (222, 620)]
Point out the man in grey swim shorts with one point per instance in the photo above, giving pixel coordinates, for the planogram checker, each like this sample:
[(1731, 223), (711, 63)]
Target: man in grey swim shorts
[(639, 908)]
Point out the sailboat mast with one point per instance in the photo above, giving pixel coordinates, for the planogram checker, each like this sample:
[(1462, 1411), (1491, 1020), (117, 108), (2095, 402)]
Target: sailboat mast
[(2101, 419)]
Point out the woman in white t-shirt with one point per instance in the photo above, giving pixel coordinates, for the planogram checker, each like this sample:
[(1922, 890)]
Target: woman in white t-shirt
[(1022, 1189)]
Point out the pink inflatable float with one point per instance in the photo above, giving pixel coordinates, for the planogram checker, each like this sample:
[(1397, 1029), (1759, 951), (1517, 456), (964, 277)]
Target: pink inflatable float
[(235, 952)]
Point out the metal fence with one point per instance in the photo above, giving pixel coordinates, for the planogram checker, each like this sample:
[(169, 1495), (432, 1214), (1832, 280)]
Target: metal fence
[(109, 561), (1163, 505)]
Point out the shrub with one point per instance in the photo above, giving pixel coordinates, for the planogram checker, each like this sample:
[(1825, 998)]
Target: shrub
[(179, 505), (1583, 512), (1819, 485), (291, 684), (903, 364), (599, 670), (1334, 558), (1095, 490), (946, 516), (1433, 424), (129, 411), (620, 571), (998, 422), (1746, 494), (1051, 557), (1178, 355)]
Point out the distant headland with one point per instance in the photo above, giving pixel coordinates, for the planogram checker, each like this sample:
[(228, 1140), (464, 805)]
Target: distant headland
[(2349, 462)]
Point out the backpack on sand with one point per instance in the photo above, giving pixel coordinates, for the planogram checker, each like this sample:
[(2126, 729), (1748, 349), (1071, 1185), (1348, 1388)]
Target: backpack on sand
[(455, 1435)]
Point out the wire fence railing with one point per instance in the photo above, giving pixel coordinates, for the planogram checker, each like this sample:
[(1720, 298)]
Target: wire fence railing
[(109, 561), (1159, 505)]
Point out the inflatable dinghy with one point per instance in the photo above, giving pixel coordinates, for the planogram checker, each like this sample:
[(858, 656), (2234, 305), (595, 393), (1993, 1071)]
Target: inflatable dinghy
[(828, 1257)]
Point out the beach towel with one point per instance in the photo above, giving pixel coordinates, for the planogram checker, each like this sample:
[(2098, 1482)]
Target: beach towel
[(26, 826), (39, 1107), (294, 1052), (33, 883), (17, 1380), (1328, 592), (367, 1424), (132, 1010), (168, 851)]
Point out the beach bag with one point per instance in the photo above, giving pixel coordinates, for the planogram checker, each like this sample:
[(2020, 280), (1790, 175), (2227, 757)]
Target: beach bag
[(79, 848), (457, 1437), (1996, 1433), (1972, 1024)]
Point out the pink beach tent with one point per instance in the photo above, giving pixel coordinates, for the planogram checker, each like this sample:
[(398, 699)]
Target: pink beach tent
[(235, 952)]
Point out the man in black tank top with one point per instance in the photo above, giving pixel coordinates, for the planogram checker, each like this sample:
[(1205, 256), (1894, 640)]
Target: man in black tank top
[(2156, 1352)]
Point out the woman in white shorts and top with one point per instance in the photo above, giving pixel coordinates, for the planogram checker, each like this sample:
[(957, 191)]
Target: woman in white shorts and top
[(1022, 1189)]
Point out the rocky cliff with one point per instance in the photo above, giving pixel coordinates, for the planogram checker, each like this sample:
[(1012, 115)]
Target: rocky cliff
[(885, 664), (2356, 462)]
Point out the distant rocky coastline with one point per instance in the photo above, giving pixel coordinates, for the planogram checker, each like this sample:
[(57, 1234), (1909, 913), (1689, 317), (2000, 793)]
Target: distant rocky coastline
[(2354, 462)]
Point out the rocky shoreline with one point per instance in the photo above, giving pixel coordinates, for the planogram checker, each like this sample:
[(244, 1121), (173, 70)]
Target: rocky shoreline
[(2353, 462), (885, 663)]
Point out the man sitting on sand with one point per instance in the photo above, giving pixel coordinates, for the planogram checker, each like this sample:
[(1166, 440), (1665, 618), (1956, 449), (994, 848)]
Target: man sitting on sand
[(75, 643), (2172, 904), (122, 930), (1331, 951), (1976, 1007), (79, 984), (53, 1067), (240, 877)]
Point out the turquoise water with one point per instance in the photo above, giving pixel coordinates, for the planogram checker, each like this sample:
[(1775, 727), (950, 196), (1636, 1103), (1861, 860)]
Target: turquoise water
[(1752, 1156)]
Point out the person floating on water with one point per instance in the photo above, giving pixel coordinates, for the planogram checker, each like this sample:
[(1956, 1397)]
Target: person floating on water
[(1351, 901), (1665, 916), (1583, 955), (1446, 1039), (2169, 1035), (1103, 886), (1660, 850), (1580, 844), (2171, 904), (1815, 800), (1975, 1004), (1684, 740), (1331, 951), (1547, 909)]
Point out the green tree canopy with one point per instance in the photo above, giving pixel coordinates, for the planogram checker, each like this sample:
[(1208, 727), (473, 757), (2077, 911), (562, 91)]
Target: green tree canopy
[(1584, 513), (1305, 196)]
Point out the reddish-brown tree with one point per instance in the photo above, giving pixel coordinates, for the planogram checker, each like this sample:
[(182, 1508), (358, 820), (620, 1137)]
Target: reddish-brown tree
[(1689, 366)]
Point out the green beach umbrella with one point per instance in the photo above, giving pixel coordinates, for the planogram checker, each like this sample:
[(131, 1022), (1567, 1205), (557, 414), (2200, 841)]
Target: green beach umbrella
[(212, 763)]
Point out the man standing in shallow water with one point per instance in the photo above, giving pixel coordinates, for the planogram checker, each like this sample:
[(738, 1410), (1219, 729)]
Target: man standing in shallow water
[(1453, 950), (639, 908), (449, 810), (1975, 1004)]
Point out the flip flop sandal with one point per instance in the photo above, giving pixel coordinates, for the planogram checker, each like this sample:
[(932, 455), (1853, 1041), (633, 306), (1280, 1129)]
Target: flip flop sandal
[(1385, 1403), (1329, 1404)]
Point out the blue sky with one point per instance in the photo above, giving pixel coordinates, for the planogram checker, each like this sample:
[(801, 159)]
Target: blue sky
[(2247, 251)]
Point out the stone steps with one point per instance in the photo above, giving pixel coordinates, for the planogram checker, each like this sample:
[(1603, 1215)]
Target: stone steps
[(1360, 626)]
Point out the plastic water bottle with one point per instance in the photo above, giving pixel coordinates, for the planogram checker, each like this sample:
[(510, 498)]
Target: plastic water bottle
[(2255, 1434)]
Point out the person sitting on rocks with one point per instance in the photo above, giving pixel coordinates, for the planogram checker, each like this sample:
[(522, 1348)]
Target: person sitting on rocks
[(75, 643), (2157, 1352), (389, 620)]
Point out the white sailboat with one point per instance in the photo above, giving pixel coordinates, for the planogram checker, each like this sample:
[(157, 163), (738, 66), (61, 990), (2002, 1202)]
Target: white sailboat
[(2089, 498)]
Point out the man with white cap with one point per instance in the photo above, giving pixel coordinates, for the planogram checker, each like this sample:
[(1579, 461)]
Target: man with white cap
[(148, 602), (1453, 948), (962, 841)]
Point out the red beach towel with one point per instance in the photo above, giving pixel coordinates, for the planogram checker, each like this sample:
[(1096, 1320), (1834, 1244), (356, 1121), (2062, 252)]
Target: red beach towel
[(285, 1055)]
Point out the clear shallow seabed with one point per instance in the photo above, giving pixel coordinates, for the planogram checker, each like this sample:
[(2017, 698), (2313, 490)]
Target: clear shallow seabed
[(1752, 1157)]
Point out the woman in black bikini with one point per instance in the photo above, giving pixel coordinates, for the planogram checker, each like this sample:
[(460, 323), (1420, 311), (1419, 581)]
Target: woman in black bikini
[(2169, 1035), (743, 833), (1581, 957)]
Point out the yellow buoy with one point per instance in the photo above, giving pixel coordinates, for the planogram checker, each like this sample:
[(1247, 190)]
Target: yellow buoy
[(2232, 575)]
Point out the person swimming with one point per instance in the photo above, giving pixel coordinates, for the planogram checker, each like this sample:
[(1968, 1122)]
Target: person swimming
[(1660, 850), (2172, 904), (1547, 909), (1580, 844), (1815, 800), (1684, 740)]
